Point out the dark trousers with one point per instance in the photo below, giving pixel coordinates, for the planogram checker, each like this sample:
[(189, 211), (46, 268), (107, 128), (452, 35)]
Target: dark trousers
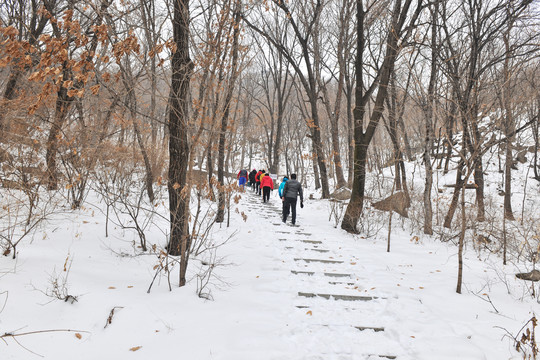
[(266, 193), (289, 206), (258, 188)]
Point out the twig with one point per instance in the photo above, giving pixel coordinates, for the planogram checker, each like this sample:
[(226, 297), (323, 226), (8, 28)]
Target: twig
[(13, 335), (109, 319)]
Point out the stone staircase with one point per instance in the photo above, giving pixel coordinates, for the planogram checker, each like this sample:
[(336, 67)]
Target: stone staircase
[(328, 302)]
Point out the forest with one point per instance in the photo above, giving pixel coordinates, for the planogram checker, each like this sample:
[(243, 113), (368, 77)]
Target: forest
[(416, 117)]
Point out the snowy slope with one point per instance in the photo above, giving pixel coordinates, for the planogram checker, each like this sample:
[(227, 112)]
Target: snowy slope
[(270, 304)]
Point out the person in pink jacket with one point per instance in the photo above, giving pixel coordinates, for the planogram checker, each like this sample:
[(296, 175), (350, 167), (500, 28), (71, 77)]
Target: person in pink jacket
[(267, 184)]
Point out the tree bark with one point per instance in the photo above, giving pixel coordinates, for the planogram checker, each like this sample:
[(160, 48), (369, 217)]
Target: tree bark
[(430, 111), (181, 67), (220, 216)]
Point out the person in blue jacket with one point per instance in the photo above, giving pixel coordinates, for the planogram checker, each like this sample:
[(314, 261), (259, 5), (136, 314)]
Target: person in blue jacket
[(280, 193)]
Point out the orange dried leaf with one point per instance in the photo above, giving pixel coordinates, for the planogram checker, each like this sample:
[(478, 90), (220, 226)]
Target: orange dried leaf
[(135, 348), (176, 186), (112, 287), (95, 89), (309, 313), (78, 336)]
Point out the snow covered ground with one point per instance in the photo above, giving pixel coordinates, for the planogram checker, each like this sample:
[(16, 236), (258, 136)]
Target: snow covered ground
[(305, 292)]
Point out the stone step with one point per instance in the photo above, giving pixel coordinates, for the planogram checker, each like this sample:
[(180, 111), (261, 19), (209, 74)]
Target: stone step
[(340, 283), (318, 250), (308, 249), (325, 261), (310, 273), (312, 241), (338, 297), (376, 329)]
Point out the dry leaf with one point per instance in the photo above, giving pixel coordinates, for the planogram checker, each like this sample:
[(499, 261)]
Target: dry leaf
[(257, 276), (130, 286), (78, 336), (112, 287), (135, 348), (353, 263), (309, 313)]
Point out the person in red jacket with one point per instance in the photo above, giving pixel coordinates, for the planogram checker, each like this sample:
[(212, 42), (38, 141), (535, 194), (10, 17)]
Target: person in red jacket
[(267, 184)]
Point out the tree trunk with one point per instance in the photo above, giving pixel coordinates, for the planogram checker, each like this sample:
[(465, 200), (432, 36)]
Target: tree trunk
[(509, 127), (455, 197), (461, 241), (181, 67), (430, 111), (149, 179), (63, 103), (220, 216)]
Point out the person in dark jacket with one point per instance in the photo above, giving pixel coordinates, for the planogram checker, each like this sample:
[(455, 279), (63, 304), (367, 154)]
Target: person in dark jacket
[(291, 191), (252, 178), (267, 184)]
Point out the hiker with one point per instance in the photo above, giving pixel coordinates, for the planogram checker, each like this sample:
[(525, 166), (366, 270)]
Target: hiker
[(252, 178), (258, 182), (267, 184), (291, 190), (242, 178), (261, 177), (280, 192)]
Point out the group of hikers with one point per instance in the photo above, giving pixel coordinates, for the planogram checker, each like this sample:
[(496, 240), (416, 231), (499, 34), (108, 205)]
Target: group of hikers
[(262, 183)]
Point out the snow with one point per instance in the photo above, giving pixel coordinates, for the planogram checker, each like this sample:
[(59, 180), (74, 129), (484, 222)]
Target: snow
[(256, 311)]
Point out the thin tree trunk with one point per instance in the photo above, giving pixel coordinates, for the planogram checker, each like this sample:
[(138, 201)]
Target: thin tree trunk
[(461, 241), (181, 67), (220, 216), (149, 179), (428, 210)]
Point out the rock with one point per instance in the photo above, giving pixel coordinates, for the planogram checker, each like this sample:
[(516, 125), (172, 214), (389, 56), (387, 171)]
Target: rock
[(531, 276), (341, 194), (398, 202)]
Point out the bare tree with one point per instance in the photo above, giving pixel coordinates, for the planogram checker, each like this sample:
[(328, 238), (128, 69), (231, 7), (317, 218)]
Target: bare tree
[(400, 26), (181, 67)]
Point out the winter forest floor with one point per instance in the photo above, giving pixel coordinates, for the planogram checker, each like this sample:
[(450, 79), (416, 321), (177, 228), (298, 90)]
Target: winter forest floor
[(278, 292)]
